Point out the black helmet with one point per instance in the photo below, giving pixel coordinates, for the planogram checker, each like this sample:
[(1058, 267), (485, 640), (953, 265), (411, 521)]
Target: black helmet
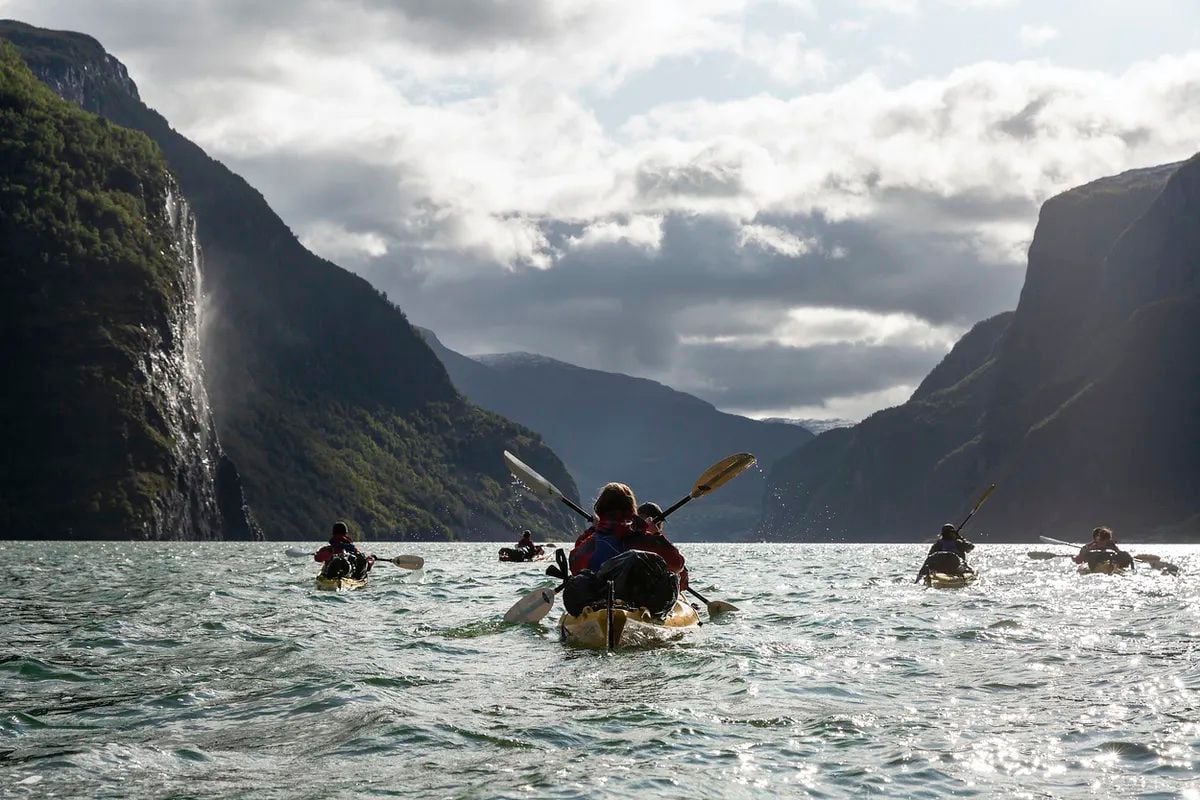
[(948, 529), (649, 510), (340, 527)]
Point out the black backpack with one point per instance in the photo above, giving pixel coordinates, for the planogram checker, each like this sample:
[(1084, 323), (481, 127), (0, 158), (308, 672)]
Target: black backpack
[(640, 580), (946, 562)]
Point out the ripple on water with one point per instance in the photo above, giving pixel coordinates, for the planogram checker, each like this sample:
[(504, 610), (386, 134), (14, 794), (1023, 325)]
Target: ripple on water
[(833, 681)]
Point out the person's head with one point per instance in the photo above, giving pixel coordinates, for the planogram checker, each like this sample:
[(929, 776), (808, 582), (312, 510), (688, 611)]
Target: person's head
[(526, 534), (1102, 534), (949, 531), (615, 499), (340, 529), (651, 513)]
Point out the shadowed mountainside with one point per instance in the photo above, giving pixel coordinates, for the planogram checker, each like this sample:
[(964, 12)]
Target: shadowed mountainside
[(1083, 405), (105, 428), (327, 399), (608, 426)]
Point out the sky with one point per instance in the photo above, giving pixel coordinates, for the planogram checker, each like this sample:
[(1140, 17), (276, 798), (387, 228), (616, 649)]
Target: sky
[(790, 208)]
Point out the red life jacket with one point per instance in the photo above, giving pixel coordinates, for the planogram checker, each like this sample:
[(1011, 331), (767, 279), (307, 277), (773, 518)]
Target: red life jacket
[(338, 543), (614, 535)]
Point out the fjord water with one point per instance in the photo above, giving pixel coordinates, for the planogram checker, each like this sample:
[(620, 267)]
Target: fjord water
[(216, 670)]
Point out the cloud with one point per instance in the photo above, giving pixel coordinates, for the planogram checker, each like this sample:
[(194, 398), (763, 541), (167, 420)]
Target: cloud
[(453, 153), (787, 59), (1037, 35)]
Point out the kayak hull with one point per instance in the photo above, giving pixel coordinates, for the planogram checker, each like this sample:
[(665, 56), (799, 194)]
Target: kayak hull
[(1101, 568), (340, 584), (632, 627), (944, 580), (516, 554)]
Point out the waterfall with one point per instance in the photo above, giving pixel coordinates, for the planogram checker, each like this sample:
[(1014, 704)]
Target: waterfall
[(205, 500)]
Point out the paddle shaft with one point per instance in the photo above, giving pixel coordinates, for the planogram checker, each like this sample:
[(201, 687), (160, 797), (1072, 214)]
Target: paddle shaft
[(986, 494)]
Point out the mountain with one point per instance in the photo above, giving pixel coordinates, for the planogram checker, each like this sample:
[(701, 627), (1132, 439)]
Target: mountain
[(1083, 405), (813, 426), (608, 426), (106, 427), (322, 393)]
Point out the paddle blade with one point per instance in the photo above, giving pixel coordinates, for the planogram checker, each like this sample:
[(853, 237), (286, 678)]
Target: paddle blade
[(1051, 540), (532, 607), (986, 494), (722, 472), (531, 480), (1042, 554), (408, 562), (296, 552), (720, 607)]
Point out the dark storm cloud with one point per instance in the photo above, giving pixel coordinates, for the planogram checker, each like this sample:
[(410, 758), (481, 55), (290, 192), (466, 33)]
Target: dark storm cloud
[(1023, 124), (624, 308), (712, 179)]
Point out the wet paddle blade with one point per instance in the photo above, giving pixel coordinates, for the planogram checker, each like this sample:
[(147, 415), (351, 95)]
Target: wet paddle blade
[(408, 562), (1050, 540), (722, 472), (720, 607), (531, 479), (296, 552), (532, 607), (1042, 554)]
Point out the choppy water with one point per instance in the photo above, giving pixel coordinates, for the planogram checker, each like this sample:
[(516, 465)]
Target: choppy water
[(183, 670)]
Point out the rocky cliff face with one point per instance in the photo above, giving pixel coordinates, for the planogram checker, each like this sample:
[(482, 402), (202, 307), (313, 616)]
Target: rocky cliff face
[(325, 397), (1085, 411), (873, 481), (107, 431)]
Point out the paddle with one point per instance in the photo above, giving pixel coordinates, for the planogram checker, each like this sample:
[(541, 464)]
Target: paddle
[(407, 562), (537, 485), (1042, 554), (537, 604), (978, 503), (1154, 561), (1052, 540), (986, 494)]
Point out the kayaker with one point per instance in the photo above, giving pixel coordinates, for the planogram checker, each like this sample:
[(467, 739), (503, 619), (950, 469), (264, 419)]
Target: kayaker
[(652, 513), (619, 527), (954, 546), (1102, 540), (526, 543), (341, 545)]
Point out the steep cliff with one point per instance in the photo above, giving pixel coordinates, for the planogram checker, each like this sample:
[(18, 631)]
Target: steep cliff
[(106, 428), (1085, 411), (872, 480), (325, 397)]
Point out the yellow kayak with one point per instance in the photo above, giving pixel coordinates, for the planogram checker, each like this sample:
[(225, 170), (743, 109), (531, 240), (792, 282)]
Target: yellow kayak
[(340, 584), (632, 627), (943, 580)]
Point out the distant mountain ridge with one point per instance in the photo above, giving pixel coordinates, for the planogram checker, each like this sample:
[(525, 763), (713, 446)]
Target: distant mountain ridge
[(327, 400), (1083, 405), (608, 426)]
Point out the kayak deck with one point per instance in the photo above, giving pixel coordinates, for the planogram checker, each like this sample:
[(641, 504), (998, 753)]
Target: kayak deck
[(340, 584), (944, 580), (632, 627)]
